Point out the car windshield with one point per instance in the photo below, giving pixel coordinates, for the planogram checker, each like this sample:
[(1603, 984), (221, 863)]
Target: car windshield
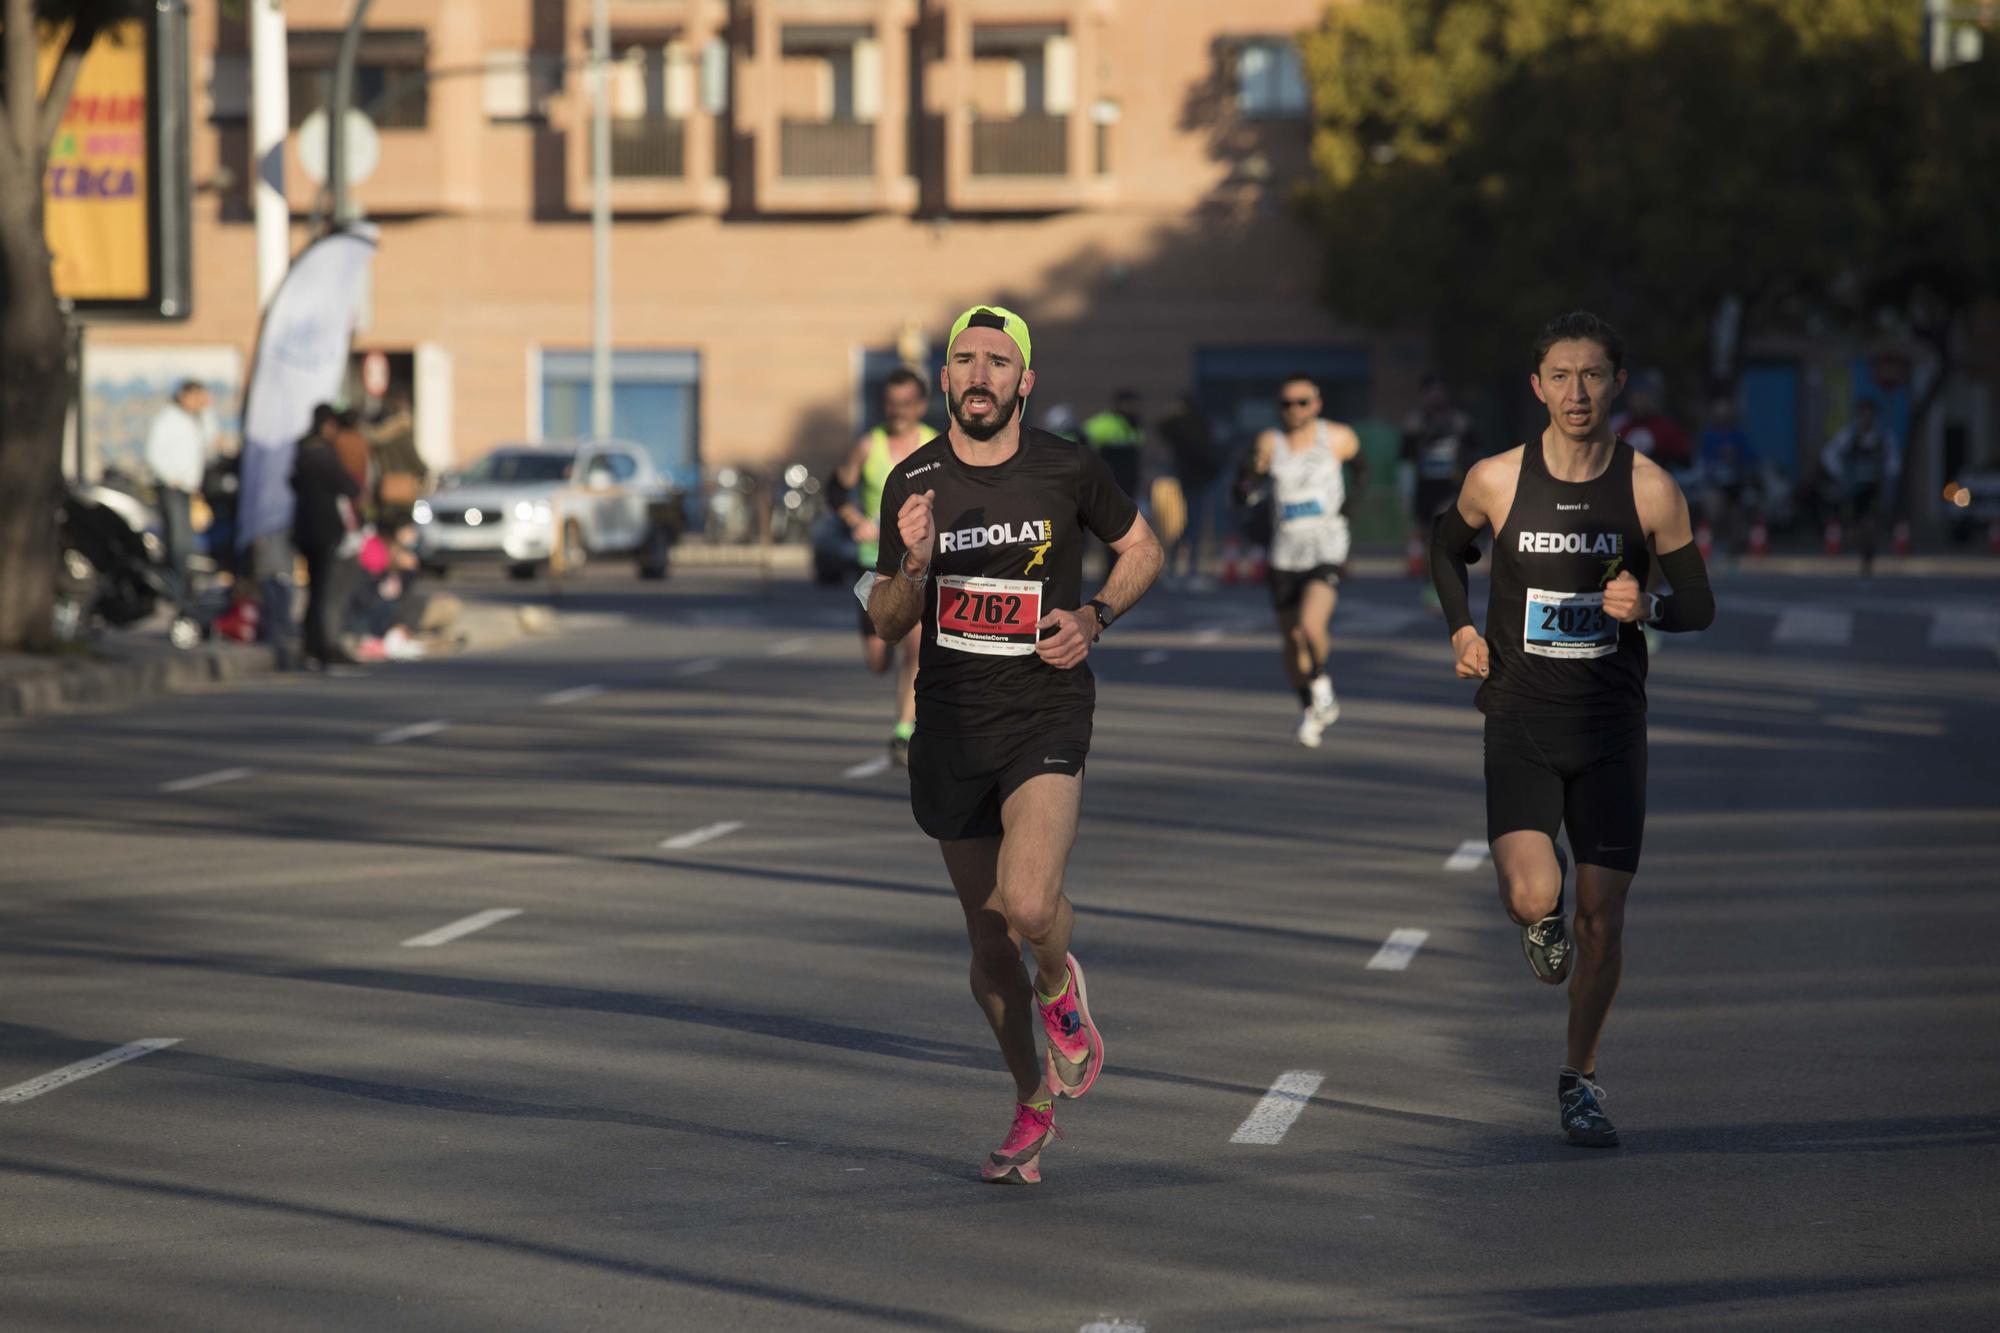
[(515, 465)]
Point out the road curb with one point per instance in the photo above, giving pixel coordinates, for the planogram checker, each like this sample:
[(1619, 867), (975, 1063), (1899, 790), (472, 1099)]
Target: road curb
[(124, 670)]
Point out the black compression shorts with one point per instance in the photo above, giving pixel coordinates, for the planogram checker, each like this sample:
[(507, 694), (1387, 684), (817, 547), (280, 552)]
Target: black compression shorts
[(959, 783), (1586, 775), (1289, 585)]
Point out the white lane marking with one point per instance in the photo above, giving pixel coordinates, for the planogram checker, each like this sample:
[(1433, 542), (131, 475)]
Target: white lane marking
[(1887, 726), (788, 647), (1154, 656), (1965, 629), (869, 768), (201, 780), (1272, 1116), (96, 1064), (430, 939), (1811, 625), (1112, 1324), (415, 731), (1471, 854), (1396, 953), (574, 695), (701, 666), (696, 837), (1208, 634)]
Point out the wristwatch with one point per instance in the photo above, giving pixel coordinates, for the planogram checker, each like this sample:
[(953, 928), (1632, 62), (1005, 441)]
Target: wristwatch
[(1105, 616)]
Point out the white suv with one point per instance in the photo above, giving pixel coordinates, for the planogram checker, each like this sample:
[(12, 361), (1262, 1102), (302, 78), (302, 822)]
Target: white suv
[(595, 497)]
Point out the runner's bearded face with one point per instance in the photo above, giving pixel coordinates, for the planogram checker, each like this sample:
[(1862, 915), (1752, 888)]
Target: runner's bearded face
[(1578, 384), (984, 382)]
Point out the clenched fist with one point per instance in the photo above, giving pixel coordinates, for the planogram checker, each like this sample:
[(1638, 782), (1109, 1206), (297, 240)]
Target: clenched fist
[(918, 528), (1470, 645), (1624, 600)]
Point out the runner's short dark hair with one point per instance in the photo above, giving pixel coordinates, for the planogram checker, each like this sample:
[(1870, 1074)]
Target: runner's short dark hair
[(1580, 324), (1300, 378), (902, 375)]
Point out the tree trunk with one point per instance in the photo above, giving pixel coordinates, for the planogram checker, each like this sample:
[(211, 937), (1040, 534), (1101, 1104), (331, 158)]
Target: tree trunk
[(34, 400)]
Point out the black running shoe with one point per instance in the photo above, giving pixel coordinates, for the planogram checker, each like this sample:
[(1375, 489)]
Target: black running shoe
[(1584, 1123), (1547, 942), (899, 751)]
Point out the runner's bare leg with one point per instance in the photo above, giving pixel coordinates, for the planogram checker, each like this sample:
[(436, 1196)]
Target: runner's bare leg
[(999, 981), (1040, 819)]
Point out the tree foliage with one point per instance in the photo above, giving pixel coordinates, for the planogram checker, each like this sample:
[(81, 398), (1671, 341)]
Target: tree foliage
[(1482, 164)]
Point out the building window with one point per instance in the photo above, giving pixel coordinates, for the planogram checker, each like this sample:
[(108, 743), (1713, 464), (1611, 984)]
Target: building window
[(655, 404), (390, 82), (1271, 80)]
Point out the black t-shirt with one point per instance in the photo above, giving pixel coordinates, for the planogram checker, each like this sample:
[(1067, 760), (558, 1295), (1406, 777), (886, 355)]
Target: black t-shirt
[(1009, 550)]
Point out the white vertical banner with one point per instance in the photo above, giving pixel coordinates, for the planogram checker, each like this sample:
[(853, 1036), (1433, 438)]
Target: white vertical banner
[(434, 408), (680, 76), (301, 360), (868, 80), (1059, 76)]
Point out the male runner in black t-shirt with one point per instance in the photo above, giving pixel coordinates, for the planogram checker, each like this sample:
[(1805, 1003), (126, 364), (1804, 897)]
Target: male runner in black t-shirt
[(1579, 517), (985, 552)]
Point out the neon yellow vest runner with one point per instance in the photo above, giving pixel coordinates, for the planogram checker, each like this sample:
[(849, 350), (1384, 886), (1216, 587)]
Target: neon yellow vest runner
[(874, 473)]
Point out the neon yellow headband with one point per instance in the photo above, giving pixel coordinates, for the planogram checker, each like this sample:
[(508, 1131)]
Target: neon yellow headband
[(995, 317)]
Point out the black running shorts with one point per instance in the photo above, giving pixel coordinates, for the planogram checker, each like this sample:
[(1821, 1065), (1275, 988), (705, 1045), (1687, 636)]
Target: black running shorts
[(1586, 775), (1288, 586), (959, 783)]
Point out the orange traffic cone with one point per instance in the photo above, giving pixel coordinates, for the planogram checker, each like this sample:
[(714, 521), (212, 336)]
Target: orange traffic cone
[(1704, 541), (1232, 554), (1417, 563), (1899, 540), (1833, 536), (1760, 538)]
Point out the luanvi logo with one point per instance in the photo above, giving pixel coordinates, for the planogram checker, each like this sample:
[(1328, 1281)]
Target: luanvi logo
[(1571, 509), (919, 471)]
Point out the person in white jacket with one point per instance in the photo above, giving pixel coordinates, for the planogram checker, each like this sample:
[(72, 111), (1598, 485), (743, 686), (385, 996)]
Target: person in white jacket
[(177, 450)]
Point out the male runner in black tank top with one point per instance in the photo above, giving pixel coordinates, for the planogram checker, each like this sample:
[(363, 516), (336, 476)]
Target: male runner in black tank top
[(985, 553), (1579, 518)]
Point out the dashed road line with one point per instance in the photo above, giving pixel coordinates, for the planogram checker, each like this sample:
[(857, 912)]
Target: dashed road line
[(788, 648), (1471, 854), (696, 837), (1813, 625), (463, 926), (414, 732), (1208, 634), (1154, 656), (1272, 1116), (869, 768), (200, 780), (1965, 629), (700, 666), (1113, 1324), (1397, 951), (576, 694), (96, 1064)]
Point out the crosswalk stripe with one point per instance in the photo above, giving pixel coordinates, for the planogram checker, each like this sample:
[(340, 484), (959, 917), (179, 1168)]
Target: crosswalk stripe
[(1471, 855), (1814, 626), (1274, 1114), (1397, 951)]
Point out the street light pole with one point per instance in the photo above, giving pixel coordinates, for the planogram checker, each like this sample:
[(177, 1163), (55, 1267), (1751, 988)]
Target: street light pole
[(270, 118), (336, 114), (600, 218)]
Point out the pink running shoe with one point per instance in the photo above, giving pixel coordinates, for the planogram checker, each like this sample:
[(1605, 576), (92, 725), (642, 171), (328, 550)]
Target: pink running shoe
[(1076, 1050), (1018, 1161)]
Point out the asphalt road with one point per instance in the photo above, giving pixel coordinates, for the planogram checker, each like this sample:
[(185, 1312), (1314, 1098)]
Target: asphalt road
[(605, 982)]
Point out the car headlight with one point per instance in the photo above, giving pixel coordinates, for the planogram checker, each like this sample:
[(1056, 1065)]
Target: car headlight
[(421, 511), (524, 510)]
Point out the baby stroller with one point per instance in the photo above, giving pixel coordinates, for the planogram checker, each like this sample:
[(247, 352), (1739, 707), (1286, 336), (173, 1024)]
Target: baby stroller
[(108, 574)]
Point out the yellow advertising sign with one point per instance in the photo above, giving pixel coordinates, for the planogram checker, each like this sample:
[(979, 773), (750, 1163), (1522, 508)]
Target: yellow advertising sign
[(96, 197)]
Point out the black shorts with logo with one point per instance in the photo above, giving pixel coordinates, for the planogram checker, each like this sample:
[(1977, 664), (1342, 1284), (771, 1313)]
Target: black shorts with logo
[(1588, 775), (959, 783), (1288, 586)]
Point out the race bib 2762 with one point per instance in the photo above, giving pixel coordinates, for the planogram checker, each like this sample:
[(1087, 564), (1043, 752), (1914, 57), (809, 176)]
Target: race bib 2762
[(997, 617)]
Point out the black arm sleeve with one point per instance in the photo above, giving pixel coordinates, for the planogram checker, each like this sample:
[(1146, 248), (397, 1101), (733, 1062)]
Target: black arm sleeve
[(1452, 550), (1692, 605), (836, 491)]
